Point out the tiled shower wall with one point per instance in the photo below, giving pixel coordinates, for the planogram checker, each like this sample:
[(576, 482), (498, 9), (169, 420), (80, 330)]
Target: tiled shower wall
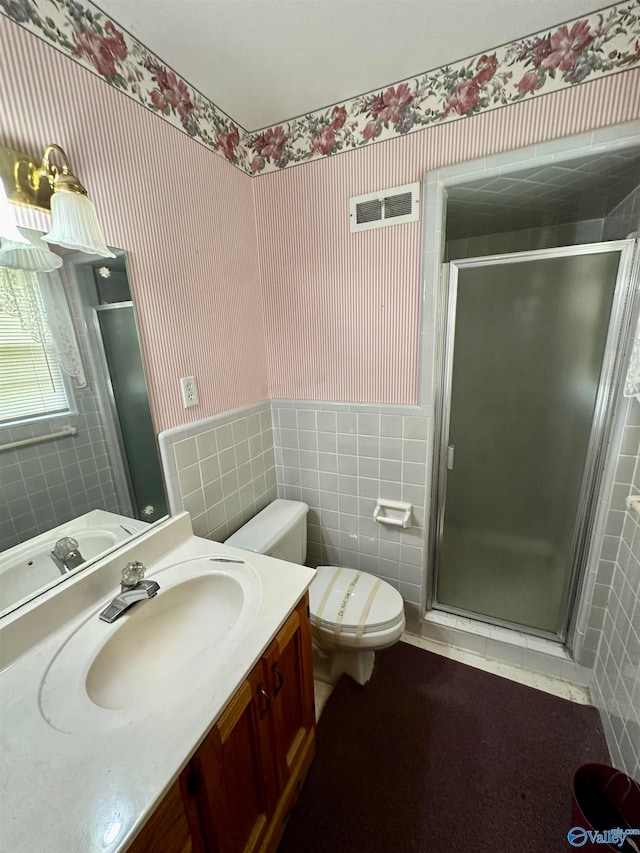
[(624, 218), (616, 225), (616, 684), (220, 469), (612, 637), (339, 459), (530, 239), (620, 460)]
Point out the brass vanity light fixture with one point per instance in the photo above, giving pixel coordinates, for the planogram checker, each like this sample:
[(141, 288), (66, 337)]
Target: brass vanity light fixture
[(49, 186), (8, 227)]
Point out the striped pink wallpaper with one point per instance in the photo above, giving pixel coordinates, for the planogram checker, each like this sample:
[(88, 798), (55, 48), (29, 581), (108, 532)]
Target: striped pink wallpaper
[(184, 215), (341, 310)]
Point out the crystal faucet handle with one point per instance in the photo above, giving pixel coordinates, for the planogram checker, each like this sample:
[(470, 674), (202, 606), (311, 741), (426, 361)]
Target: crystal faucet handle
[(132, 573), (65, 546)]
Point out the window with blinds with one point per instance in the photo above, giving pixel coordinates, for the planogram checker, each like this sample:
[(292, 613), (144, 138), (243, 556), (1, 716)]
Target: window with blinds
[(31, 383)]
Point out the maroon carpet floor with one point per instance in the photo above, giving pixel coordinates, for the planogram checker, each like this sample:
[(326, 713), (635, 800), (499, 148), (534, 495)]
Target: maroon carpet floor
[(436, 756)]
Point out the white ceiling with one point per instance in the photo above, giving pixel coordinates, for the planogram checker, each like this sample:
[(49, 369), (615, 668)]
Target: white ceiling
[(264, 61)]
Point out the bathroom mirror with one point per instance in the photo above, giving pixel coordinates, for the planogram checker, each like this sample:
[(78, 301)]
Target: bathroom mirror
[(78, 452)]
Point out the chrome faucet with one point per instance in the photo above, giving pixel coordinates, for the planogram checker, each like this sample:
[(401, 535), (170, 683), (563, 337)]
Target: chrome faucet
[(133, 589), (66, 555)]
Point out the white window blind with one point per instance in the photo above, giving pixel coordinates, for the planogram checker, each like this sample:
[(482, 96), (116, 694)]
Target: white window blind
[(31, 383)]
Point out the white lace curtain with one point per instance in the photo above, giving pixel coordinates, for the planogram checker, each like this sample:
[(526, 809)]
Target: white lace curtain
[(39, 300), (632, 383)]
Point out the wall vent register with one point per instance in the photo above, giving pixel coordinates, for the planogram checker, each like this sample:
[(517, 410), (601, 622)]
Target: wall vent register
[(386, 207)]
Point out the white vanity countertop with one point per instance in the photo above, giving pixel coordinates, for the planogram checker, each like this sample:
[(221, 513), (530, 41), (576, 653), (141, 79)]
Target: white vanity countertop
[(91, 790)]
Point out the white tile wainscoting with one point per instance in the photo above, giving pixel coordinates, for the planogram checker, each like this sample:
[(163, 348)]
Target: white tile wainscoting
[(616, 682), (339, 458), (221, 469)]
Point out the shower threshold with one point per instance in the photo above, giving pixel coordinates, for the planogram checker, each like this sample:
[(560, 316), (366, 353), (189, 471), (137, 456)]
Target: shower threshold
[(503, 645)]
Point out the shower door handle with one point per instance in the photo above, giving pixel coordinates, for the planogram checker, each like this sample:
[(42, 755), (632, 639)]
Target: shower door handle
[(451, 449)]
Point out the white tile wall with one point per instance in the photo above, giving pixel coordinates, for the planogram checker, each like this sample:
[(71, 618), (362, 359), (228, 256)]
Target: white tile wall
[(624, 218), (527, 240), (616, 683), (47, 484), (339, 458), (600, 641), (221, 469)]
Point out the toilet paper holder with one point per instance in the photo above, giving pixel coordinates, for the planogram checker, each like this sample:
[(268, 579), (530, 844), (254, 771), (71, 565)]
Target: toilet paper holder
[(396, 513), (633, 504)]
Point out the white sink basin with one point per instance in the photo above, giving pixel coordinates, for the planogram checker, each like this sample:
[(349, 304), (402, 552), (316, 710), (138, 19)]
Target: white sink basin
[(27, 569), (34, 568), (107, 674), (161, 634)]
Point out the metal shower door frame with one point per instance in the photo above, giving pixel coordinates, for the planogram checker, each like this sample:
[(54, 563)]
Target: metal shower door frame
[(611, 377), (115, 439)]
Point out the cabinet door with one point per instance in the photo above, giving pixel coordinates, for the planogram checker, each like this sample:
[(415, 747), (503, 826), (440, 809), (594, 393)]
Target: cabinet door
[(167, 829), (289, 665), (234, 770)]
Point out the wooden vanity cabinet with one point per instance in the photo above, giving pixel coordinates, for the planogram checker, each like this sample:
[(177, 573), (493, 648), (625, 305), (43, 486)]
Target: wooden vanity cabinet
[(169, 829), (288, 668), (234, 774), (238, 790)]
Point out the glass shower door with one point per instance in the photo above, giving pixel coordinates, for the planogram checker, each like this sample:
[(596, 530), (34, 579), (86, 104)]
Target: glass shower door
[(527, 338)]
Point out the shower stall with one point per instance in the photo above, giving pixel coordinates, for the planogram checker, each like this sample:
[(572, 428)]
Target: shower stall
[(530, 360)]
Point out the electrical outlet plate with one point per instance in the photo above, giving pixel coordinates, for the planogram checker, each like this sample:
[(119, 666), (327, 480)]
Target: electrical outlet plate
[(189, 390)]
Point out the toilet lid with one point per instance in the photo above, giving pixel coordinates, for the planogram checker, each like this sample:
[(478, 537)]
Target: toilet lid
[(356, 601)]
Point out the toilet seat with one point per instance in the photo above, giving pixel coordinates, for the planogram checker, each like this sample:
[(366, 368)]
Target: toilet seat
[(352, 608), (353, 614)]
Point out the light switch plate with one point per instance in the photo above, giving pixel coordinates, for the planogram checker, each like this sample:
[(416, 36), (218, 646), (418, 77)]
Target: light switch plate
[(189, 390)]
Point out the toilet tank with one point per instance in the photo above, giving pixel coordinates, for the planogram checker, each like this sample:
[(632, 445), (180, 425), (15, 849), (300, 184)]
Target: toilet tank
[(280, 530)]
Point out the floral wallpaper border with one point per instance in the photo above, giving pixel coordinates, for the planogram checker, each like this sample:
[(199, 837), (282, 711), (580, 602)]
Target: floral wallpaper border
[(602, 43)]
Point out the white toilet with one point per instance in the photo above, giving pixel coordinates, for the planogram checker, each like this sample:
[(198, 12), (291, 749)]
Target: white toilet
[(353, 613)]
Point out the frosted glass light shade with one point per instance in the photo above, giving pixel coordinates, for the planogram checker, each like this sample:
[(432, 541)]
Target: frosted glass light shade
[(8, 228), (32, 256), (74, 224)]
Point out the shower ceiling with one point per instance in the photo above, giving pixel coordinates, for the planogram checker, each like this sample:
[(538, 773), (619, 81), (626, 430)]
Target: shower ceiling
[(571, 191)]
